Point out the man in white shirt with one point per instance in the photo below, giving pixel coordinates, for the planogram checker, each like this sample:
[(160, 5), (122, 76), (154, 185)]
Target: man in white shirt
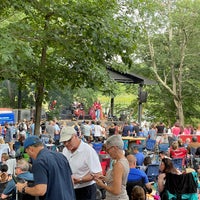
[(98, 131), (84, 163)]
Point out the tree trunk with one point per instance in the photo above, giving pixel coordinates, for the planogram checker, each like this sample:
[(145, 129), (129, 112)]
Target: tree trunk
[(112, 107), (19, 103), (41, 81), (180, 115), (38, 106)]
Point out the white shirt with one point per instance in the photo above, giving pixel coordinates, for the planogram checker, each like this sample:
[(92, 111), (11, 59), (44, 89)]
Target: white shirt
[(98, 131), (88, 130), (83, 161)]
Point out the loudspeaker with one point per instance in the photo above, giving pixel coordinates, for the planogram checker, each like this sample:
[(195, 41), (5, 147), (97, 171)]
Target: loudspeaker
[(143, 97)]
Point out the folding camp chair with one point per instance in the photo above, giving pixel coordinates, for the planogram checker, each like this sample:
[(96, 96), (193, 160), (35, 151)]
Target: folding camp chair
[(178, 163), (178, 187), (150, 144), (152, 172), (163, 147)]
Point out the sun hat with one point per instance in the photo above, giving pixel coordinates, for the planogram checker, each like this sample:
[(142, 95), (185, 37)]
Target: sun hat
[(66, 133), (31, 140)]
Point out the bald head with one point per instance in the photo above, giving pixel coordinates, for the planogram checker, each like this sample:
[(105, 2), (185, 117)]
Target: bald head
[(132, 160)]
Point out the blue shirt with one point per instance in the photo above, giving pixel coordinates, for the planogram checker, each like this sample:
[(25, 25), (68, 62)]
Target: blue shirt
[(140, 158), (52, 168), (10, 187), (125, 131), (137, 175), (8, 136), (131, 127), (140, 134), (57, 128)]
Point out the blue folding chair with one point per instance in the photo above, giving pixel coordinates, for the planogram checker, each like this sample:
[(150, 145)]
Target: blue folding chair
[(150, 144), (152, 172), (140, 147), (178, 163), (163, 147)]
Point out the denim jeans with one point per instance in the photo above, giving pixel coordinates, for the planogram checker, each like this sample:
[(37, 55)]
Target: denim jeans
[(97, 112)]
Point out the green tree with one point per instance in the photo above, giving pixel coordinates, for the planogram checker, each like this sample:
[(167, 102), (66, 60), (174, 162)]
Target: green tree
[(168, 50), (63, 42)]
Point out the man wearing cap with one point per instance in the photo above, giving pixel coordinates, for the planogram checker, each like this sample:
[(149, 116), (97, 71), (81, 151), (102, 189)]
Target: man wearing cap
[(84, 163), (52, 173), (22, 172)]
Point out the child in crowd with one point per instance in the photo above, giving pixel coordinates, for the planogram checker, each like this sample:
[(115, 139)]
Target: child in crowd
[(138, 193)]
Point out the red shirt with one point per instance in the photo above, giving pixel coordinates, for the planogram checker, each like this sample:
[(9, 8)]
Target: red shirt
[(97, 105), (178, 153)]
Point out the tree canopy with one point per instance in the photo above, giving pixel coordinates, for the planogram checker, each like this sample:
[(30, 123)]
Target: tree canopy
[(63, 42), (52, 44), (168, 50)]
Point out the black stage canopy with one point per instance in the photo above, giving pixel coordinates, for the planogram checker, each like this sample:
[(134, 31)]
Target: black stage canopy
[(129, 78), (122, 77)]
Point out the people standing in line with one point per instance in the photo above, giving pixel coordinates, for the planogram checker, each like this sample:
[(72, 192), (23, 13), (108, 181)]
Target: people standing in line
[(51, 170), (84, 163), (115, 180)]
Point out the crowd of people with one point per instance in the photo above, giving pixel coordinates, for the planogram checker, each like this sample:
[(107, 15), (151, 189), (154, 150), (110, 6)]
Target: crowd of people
[(75, 170)]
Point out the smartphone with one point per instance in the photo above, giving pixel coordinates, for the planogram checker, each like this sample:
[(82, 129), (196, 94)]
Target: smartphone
[(14, 179)]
